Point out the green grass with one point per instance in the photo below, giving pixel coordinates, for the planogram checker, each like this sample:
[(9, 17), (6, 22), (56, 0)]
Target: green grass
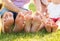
[(38, 36), (32, 7)]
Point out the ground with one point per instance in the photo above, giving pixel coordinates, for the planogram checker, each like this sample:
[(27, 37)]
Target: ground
[(38, 36)]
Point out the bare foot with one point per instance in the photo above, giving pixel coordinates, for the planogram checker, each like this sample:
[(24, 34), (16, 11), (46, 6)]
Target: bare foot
[(48, 27), (36, 22), (51, 26), (41, 26), (58, 23), (54, 27), (19, 22), (28, 22), (8, 21), (41, 22)]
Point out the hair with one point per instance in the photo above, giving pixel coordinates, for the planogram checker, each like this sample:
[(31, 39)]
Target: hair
[(1, 5)]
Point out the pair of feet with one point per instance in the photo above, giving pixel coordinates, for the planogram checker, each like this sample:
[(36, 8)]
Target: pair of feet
[(8, 21), (51, 26)]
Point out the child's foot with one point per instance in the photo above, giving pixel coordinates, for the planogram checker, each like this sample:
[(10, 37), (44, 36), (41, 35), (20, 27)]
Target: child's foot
[(48, 24), (48, 27), (28, 22), (19, 23), (41, 22), (41, 26), (58, 23), (8, 21), (51, 26), (36, 22), (54, 27)]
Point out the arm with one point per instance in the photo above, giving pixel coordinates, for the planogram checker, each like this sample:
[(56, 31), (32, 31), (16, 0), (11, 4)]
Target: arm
[(41, 6), (44, 7), (38, 5), (9, 5), (45, 2)]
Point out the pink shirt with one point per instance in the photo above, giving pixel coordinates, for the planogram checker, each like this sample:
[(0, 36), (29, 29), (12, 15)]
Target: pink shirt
[(20, 3)]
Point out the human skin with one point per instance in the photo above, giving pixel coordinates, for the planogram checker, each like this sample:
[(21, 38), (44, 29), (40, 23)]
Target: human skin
[(36, 22), (41, 6), (10, 6), (8, 21), (19, 22), (28, 21)]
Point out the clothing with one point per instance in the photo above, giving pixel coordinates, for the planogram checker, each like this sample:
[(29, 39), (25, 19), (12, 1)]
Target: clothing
[(14, 15), (23, 4), (55, 19), (3, 11), (20, 3), (54, 10)]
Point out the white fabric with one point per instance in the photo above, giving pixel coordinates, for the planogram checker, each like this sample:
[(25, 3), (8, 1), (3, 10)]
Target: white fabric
[(53, 10), (27, 5)]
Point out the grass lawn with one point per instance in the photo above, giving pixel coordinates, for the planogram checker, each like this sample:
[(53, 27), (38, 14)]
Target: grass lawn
[(38, 36)]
